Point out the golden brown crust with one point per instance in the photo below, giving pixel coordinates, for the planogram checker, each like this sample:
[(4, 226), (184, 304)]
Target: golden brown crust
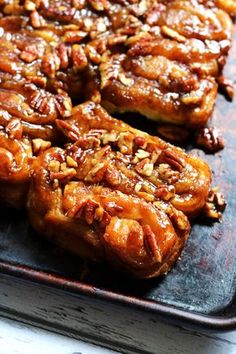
[(112, 193), (134, 162), (101, 224), (168, 74), (116, 194), (132, 55), (15, 156)]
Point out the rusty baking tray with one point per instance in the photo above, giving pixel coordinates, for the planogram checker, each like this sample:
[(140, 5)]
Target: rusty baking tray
[(201, 288)]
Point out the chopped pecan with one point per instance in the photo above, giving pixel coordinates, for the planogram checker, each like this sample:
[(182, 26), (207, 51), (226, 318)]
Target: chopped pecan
[(145, 167), (15, 129), (168, 174), (89, 211), (109, 137), (116, 39), (177, 219), (87, 142), (151, 243), (79, 58), (40, 145), (147, 196), (63, 54), (93, 55), (71, 162), (63, 104), (37, 21), (77, 210), (99, 5), (68, 173), (126, 81), (142, 154), (172, 159), (165, 192), (29, 5), (125, 143), (215, 205), (27, 56), (96, 174), (226, 87), (60, 171), (54, 166), (112, 208), (169, 32), (71, 131), (210, 139), (50, 64), (73, 37), (112, 176)]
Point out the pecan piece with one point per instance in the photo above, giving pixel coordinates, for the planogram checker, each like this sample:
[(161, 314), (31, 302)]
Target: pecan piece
[(40, 145), (150, 243), (37, 21), (227, 87), (15, 129), (76, 210), (50, 64), (210, 139), (89, 211), (74, 36), (145, 167), (172, 159), (169, 32), (215, 205), (78, 57), (165, 192)]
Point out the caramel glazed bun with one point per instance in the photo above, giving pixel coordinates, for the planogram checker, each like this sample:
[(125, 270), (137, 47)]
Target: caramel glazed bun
[(116, 194), (158, 58)]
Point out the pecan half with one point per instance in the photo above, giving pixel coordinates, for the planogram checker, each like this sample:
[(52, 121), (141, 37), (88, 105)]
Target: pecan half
[(172, 159), (210, 139)]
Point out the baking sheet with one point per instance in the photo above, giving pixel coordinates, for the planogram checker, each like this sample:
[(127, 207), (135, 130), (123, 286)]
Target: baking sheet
[(200, 288)]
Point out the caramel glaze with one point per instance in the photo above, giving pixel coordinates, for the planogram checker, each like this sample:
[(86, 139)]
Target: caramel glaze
[(116, 194), (128, 56)]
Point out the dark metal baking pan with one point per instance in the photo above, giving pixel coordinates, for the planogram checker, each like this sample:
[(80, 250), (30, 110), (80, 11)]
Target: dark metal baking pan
[(200, 290)]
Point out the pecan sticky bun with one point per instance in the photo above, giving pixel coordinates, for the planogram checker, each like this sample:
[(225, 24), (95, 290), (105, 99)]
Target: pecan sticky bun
[(100, 188), (158, 58), (117, 194)]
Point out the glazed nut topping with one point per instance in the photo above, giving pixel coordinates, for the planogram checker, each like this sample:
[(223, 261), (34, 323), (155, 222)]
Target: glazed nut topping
[(151, 243), (172, 159), (40, 145), (167, 174), (144, 167), (169, 32), (60, 171), (94, 172), (142, 154), (210, 139), (71, 162), (148, 197), (29, 5), (109, 137), (215, 205), (15, 129), (126, 81), (54, 166), (181, 223), (191, 99), (227, 87), (125, 143)]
